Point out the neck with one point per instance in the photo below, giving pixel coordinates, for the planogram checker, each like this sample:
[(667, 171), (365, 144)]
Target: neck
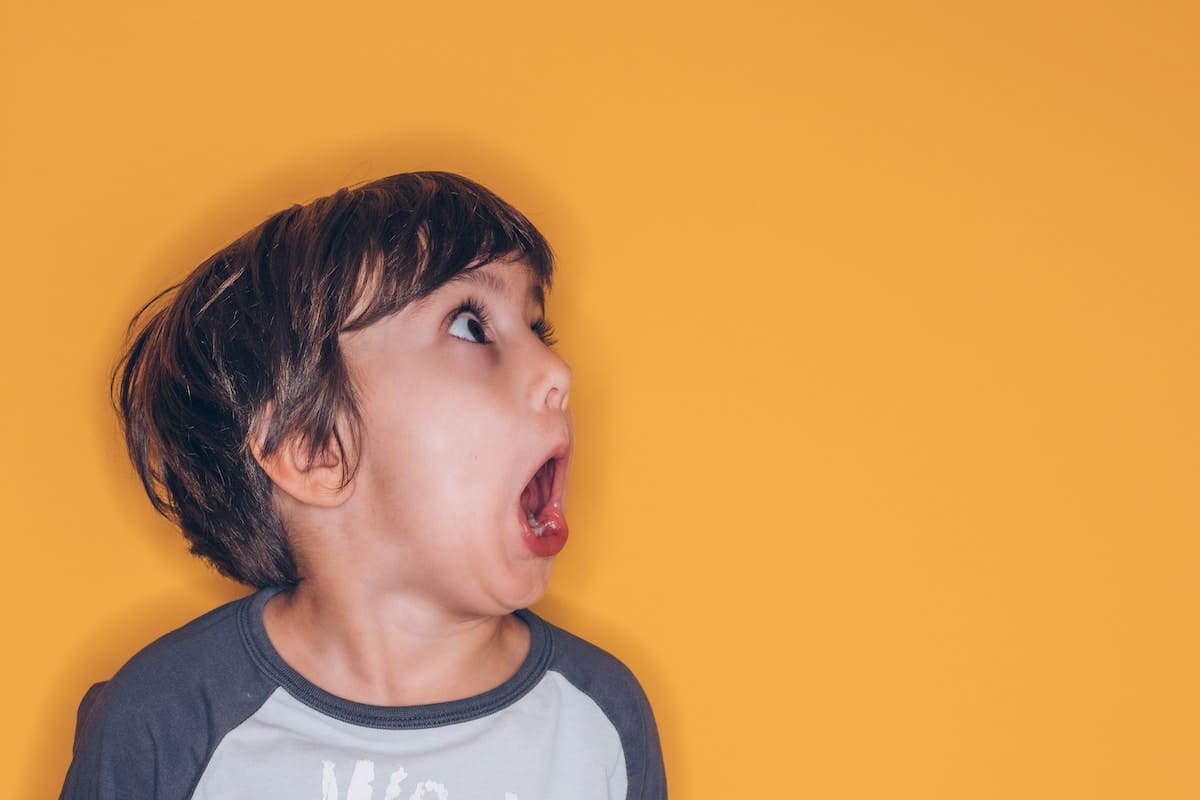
[(391, 650)]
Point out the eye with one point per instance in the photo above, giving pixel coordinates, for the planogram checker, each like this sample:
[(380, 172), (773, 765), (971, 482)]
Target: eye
[(468, 324)]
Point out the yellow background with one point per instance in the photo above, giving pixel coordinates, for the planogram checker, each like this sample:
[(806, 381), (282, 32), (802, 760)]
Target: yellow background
[(884, 324)]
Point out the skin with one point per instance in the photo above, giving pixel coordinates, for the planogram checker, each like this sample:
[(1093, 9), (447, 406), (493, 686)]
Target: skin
[(411, 571)]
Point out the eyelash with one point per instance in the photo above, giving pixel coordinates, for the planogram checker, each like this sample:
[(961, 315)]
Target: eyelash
[(541, 327), (544, 331)]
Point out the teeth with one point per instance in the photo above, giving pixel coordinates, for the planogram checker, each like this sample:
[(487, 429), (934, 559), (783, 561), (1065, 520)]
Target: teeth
[(538, 529)]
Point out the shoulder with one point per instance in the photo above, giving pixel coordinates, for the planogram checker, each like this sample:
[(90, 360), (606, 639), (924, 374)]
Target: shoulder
[(607, 682), (590, 668), (188, 648), (155, 723), (185, 665)]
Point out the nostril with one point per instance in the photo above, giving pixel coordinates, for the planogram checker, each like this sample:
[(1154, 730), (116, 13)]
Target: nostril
[(550, 384)]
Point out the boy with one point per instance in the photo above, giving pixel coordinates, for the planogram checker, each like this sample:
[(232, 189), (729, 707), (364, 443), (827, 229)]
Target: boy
[(355, 409)]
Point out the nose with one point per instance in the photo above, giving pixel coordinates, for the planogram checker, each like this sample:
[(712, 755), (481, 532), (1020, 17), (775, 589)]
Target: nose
[(552, 382)]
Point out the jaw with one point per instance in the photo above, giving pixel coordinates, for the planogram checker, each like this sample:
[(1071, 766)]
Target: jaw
[(534, 581)]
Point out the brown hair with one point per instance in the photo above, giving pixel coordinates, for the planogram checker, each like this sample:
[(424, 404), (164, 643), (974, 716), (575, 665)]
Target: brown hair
[(247, 345)]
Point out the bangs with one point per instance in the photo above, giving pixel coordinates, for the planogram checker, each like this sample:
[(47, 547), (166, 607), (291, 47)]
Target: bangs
[(402, 242)]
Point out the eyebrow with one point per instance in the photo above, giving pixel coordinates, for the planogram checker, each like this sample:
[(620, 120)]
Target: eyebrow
[(536, 292)]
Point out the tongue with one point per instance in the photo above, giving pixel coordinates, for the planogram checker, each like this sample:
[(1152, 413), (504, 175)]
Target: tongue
[(548, 535)]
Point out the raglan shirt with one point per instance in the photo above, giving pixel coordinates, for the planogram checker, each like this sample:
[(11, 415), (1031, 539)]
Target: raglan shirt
[(212, 711)]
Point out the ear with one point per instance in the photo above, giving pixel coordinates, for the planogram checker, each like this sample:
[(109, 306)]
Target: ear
[(311, 479)]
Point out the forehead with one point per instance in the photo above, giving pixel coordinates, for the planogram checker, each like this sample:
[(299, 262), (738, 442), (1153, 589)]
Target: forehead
[(513, 278)]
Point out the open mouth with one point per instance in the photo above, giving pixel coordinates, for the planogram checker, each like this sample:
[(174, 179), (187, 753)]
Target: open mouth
[(536, 496), (543, 521)]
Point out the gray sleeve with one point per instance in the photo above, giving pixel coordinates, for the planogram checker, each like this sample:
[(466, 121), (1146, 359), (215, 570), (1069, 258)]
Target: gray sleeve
[(86, 706), (619, 695), (149, 732)]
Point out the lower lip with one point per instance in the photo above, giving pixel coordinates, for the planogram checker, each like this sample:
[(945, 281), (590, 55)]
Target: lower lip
[(554, 535)]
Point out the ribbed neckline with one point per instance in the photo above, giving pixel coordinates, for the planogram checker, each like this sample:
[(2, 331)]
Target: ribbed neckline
[(264, 654)]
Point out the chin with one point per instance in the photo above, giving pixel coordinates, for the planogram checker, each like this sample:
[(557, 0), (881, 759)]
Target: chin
[(530, 590)]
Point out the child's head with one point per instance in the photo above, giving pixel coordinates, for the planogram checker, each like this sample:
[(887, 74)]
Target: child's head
[(246, 356)]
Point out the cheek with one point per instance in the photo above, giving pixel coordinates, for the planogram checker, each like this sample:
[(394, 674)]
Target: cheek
[(427, 443)]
